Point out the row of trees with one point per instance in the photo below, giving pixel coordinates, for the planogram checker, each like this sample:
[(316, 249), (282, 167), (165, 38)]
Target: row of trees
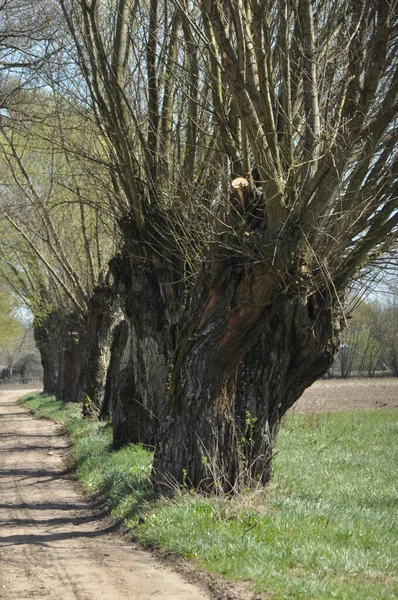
[(188, 192)]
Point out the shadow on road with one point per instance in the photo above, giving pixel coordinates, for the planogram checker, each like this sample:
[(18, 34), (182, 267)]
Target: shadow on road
[(15, 540)]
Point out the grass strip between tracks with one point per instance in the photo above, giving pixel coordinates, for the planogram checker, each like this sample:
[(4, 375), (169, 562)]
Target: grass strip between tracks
[(326, 527)]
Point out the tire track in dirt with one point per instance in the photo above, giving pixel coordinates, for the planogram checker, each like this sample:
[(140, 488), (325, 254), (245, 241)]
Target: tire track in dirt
[(52, 543)]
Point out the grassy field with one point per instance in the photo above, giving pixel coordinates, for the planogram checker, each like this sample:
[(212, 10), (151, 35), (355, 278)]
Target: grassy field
[(325, 528)]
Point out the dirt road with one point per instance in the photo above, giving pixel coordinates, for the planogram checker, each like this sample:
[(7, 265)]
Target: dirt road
[(52, 544)]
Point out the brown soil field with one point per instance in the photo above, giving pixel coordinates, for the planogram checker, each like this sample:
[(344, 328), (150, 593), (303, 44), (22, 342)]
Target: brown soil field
[(348, 394)]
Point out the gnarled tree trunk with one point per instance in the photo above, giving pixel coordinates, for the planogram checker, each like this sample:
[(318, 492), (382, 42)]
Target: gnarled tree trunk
[(238, 316), (142, 359), (112, 382), (71, 354), (199, 442), (46, 335), (296, 347), (103, 316)]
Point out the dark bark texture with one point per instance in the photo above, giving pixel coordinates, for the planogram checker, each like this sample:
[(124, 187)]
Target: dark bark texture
[(199, 443), (71, 352), (103, 316), (220, 427), (46, 335), (145, 345), (112, 382), (296, 347)]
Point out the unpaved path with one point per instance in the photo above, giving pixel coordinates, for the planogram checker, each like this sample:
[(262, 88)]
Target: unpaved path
[(52, 544)]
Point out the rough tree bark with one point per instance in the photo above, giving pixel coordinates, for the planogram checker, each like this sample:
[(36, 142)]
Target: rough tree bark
[(72, 347), (146, 343), (239, 312), (112, 382), (103, 317), (295, 348), (46, 335), (199, 440)]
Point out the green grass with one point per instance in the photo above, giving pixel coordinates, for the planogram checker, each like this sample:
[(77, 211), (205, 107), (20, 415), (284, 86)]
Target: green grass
[(325, 528)]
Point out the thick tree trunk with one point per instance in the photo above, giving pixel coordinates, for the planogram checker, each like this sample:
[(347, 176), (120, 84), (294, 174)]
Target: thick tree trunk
[(143, 357), (46, 335), (238, 312), (199, 442), (295, 349), (103, 316), (138, 394), (112, 383), (70, 359)]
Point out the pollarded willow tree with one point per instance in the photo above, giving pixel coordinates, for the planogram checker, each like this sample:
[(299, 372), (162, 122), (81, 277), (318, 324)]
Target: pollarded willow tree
[(55, 248), (307, 93), (140, 65), (37, 202), (25, 274)]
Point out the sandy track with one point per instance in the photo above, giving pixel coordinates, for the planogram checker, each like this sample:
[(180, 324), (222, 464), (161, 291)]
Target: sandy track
[(52, 544)]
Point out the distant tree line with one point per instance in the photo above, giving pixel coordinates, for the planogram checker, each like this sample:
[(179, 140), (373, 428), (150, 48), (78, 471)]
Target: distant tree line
[(369, 344)]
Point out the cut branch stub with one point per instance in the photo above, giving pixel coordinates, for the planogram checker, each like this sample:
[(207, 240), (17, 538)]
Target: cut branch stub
[(239, 184)]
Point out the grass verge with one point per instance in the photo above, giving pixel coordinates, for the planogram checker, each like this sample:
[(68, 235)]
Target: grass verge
[(325, 528), (120, 478)]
